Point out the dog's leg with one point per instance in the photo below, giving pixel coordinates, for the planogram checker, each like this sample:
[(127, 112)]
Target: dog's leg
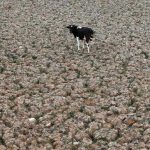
[(83, 43), (87, 43), (88, 47), (78, 43), (84, 39)]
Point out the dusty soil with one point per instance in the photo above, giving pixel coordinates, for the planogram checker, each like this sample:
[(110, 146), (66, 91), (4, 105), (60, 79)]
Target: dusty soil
[(54, 97)]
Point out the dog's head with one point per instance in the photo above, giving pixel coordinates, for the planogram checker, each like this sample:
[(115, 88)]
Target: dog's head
[(72, 28)]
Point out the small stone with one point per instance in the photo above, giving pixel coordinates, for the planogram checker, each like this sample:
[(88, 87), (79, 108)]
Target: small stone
[(80, 125), (48, 147), (142, 145), (111, 144), (107, 125), (130, 121), (115, 109), (102, 133), (87, 141), (2, 147), (75, 143), (147, 131), (115, 121), (112, 135), (89, 102), (146, 138), (93, 126), (32, 120), (100, 117)]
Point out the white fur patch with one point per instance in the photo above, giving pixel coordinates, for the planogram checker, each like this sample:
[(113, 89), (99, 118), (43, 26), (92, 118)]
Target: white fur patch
[(79, 27)]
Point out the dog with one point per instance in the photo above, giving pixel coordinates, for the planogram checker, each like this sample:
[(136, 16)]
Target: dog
[(82, 33)]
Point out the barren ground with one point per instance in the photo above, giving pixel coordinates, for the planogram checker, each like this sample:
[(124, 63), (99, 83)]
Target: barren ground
[(53, 97)]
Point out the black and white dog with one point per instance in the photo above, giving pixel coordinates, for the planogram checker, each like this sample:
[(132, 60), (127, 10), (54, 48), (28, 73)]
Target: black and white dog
[(81, 33)]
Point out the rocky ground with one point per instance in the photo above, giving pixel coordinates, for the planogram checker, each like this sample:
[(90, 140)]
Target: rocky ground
[(54, 97)]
